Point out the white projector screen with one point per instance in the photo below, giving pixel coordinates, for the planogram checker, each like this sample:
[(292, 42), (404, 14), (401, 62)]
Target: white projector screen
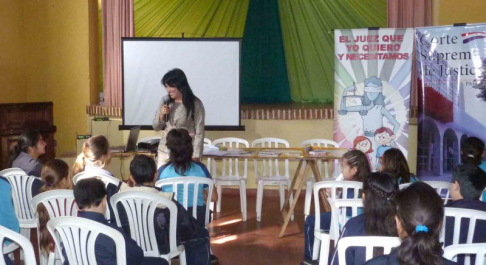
[(212, 67)]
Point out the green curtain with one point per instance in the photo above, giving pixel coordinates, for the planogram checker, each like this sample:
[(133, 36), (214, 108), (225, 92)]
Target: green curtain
[(307, 29), (263, 69), (194, 18)]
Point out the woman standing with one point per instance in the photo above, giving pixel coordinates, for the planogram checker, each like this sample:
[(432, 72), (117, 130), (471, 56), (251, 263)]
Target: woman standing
[(180, 109)]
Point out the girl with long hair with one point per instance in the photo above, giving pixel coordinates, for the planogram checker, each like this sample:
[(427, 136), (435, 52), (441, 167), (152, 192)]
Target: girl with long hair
[(55, 176), (179, 109), (419, 215), (180, 164), (25, 153), (395, 164), (378, 218), (354, 167)]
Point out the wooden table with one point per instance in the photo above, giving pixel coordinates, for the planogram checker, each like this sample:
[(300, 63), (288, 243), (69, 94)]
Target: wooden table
[(300, 175)]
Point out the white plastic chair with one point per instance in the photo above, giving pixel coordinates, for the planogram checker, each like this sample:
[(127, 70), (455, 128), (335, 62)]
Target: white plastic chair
[(18, 239), (328, 166), (230, 174), (140, 209), (440, 186), (461, 215), (370, 242), (322, 240), (478, 249), (58, 203), (21, 197), (182, 184), (209, 143), (77, 236), (404, 185), (107, 179), (270, 172)]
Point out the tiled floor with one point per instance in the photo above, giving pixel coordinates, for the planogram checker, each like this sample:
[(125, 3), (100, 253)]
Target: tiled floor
[(251, 242)]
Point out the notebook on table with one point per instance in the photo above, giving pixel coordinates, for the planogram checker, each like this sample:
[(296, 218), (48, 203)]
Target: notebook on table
[(131, 143)]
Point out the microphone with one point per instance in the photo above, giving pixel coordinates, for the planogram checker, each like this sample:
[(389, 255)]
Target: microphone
[(166, 99)]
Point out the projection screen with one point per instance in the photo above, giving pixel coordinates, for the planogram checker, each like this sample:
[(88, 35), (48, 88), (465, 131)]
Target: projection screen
[(212, 67)]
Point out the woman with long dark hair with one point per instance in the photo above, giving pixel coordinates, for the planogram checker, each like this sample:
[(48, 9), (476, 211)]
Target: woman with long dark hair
[(395, 164), (419, 216), (180, 164), (378, 218), (180, 109), (25, 153)]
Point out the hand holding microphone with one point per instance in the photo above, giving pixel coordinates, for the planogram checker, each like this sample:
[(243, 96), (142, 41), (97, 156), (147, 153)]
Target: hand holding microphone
[(165, 110)]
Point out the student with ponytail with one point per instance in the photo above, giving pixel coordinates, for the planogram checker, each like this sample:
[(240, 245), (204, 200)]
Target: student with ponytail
[(55, 176), (24, 154), (378, 218), (419, 216)]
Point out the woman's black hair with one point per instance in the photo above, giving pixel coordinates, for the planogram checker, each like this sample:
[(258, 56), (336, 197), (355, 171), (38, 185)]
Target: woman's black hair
[(179, 143), (379, 189), (420, 211), (358, 159), (472, 151), (395, 164), (27, 139), (177, 78)]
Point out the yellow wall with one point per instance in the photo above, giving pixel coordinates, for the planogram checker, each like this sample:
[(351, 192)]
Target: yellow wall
[(447, 12), (11, 65), (48, 59)]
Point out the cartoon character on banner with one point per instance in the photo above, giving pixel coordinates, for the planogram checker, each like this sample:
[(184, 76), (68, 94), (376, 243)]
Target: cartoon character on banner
[(364, 145), (372, 111)]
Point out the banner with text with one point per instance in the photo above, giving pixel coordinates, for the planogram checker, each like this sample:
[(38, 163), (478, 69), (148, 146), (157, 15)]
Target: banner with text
[(372, 90), (451, 65)]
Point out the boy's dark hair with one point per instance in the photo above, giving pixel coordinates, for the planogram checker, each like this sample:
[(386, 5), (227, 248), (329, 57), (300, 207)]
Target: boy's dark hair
[(471, 179), (89, 192), (142, 169), (472, 151)]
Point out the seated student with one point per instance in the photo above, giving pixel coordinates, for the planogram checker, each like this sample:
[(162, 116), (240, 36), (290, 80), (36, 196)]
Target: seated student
[(180, 164), (395, 164), (469, 182), (354, 167), (93, 159), (378, 218), (25, 154), (8, 218), (55, 176), (143, 172), (472, 152), (420, 212), (90, 195)]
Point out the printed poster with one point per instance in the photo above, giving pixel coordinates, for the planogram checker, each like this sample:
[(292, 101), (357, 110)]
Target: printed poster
[(372, 90)]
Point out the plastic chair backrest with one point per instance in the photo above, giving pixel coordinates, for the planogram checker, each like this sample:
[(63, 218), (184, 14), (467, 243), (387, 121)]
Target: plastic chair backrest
[(404, 185), (339, 214), (327, 164), (273, 164), (107, 179), (24, 243), (140, 209), (58, 203), (21, 194), (478, 249), (461, 215), (440, 186), (370, 242), (207, 141), (182, 184), (77, 236), (230, 167)]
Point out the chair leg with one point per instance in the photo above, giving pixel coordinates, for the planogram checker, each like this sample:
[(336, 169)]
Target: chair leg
[(182, 258), (291, 199), (25, 232), (282, 196), (315, 248), (324, 253), (220, 198), (243, 200), (51, 259), (308, 199), (259, 200)]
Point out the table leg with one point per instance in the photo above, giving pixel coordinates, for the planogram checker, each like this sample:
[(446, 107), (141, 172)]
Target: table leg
[(298, 180), (317, 175), (292, 185)]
